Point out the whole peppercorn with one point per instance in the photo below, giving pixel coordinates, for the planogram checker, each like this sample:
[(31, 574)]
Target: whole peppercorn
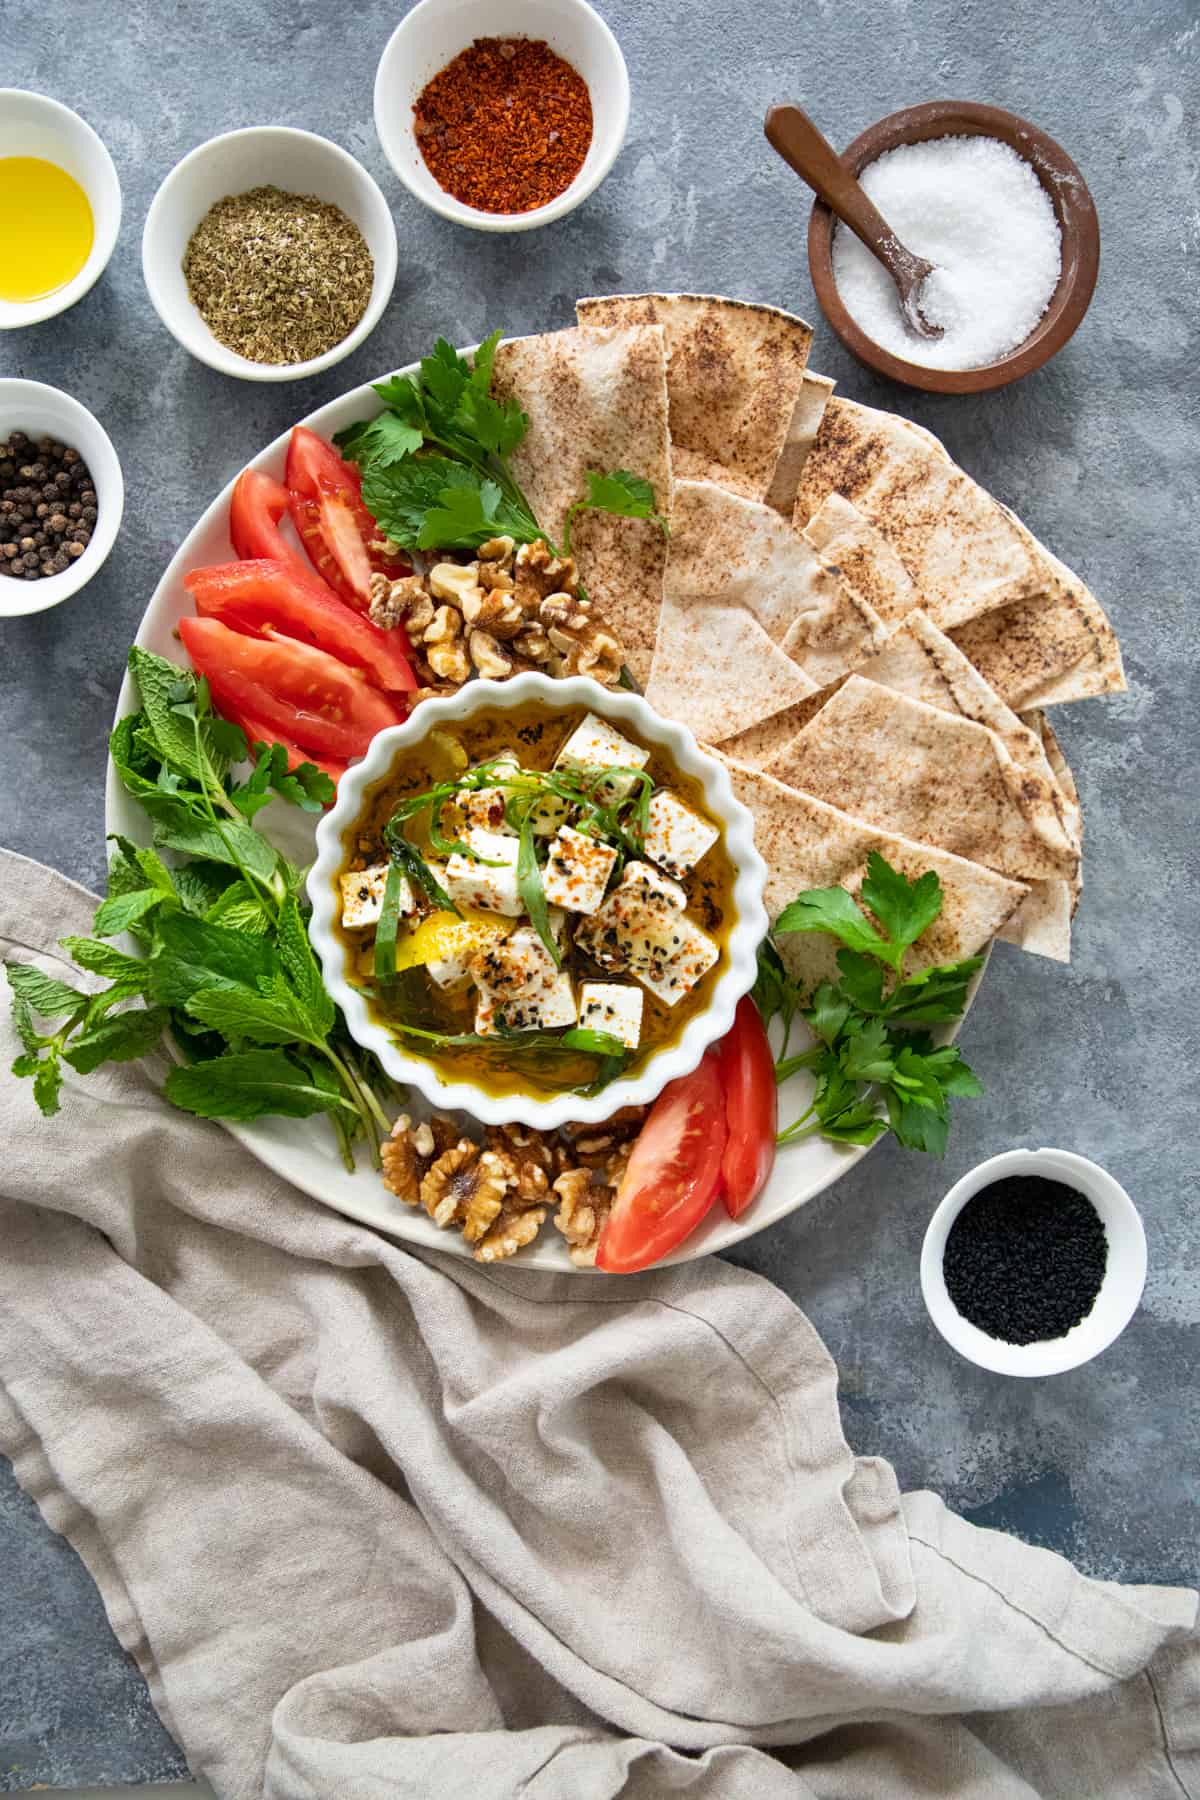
[(74, 550), (58, 522)]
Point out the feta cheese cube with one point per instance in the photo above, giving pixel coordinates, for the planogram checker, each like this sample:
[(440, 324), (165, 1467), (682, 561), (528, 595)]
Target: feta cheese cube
[(519, 967), (595, 745), (614, 1007), (676, 837), (484, 809), (645, 883), (577, 871), (660, 946), (551, 1011), (475, 884), (671, 979), (362, 896)]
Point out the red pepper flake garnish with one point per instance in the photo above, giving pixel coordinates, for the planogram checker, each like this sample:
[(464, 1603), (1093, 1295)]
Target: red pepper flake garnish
[(506, 126)]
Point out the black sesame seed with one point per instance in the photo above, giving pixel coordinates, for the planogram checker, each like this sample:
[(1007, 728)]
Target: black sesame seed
[(1025, 1259)]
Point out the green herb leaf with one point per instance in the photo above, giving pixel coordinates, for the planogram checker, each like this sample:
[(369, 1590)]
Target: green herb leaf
[(307, 787), (388, 924), (827, 1014), (273, 1017), (467, 516), (241, 908), (23, 1025), (121, 1037), (300, 966), (167, 694), (594, 1043), (236, 844), (418, 870), (248, 1084), (917, 1127), (832, 910), (190, 954), (47, 1085), (862, 980), (867, 1055), (121, 911), (533, 894), (43, 993), (200, 886), (381, 441), (106, 960), (628, 496), (904, 908), (935, 994)]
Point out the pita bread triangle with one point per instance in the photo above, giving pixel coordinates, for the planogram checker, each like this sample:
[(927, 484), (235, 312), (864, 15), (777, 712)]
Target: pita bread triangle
[(961, 549), (807, 843), (931, 774), (735, 374), (597, 400)]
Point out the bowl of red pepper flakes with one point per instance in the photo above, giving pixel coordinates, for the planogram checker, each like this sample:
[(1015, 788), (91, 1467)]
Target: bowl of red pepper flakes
[(498, 115)]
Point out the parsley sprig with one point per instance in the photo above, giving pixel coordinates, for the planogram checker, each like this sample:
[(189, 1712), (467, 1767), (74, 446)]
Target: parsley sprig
[(226, 963), (435, 468), (873, 1071)]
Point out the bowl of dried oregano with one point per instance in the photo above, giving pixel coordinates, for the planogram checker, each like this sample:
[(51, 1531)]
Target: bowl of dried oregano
[(269, 253)]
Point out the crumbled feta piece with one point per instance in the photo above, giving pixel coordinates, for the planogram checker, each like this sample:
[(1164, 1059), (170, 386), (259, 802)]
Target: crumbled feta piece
[(665, 951), (471, 883), (519, 967), (614, 1007), (645, 883), (577, 871), (546, 1012), (484, 809), (676, 837), (362, 896), (595, 745), (451, 971)]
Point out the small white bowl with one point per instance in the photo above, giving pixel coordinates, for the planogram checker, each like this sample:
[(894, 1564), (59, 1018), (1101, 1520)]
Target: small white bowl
[(42, 411), (701, 1030), (260, 156), (1120, 1291), (436, 31), (33, 125)]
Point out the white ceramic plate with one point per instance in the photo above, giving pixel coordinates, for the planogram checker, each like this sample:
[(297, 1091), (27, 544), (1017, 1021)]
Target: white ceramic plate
[(303, 1150)]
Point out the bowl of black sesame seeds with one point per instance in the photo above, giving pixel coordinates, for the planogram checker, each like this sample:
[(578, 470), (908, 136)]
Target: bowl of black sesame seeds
[(1034, 1262), (61, 497)]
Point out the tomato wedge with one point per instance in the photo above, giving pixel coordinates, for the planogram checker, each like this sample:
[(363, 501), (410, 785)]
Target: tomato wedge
[(258, 733), (302, 694), (673, 1175), (257, 506), (337, 531), (265, 596), (751, 1108)]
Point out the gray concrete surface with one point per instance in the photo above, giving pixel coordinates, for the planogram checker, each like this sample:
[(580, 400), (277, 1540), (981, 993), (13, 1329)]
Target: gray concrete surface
[(1099, 453)]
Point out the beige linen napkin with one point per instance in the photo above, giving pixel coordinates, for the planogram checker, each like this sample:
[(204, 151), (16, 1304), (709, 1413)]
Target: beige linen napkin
[(374, 1522)]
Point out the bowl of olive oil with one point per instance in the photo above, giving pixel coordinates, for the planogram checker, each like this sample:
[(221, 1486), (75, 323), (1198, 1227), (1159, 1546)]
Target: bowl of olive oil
[(60, 208)]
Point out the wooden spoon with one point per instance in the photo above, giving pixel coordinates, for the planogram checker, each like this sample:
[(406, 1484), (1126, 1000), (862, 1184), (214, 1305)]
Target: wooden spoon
[(792, 133)]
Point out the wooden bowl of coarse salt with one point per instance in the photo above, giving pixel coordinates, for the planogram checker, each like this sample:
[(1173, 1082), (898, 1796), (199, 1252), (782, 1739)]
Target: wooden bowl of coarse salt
[(1016, 258)]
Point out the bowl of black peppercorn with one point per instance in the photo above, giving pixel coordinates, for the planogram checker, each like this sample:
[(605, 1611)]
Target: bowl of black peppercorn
[(61, 497), (1034, 1262)]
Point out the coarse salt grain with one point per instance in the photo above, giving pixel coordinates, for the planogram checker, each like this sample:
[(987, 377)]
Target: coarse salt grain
[(977, 211)]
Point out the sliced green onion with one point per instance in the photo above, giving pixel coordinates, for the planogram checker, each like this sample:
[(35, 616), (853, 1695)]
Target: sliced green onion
[(529, 886), (389, 924)]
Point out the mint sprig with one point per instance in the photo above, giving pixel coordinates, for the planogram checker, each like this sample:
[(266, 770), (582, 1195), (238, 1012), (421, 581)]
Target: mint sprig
[(228, 966)]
